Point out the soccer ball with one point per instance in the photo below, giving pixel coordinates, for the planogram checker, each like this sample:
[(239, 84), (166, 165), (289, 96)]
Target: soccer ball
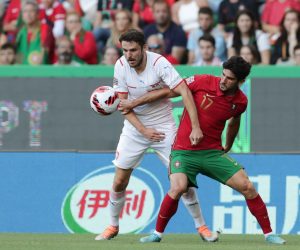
[(104, 100)]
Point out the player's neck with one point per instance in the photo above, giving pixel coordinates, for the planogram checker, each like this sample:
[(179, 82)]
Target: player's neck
[(231, 92)]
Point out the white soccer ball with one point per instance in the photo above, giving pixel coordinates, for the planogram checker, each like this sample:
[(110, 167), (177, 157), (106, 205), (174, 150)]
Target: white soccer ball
[(104, 100)]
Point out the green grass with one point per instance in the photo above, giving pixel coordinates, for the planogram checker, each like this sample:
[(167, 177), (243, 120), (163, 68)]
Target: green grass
[(130, 242)]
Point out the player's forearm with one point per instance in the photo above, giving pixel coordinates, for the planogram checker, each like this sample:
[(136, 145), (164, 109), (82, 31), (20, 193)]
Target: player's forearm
[(190, 106), (152, 96), (132, 118), (231, 133)]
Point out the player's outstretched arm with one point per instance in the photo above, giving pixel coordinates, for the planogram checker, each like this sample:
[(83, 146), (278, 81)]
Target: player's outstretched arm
[(149, 133), (126, 105), (231, 132), (188, 101)]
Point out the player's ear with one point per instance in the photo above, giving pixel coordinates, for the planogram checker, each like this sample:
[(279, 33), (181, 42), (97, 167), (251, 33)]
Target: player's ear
[(241, 82), (145, 47)]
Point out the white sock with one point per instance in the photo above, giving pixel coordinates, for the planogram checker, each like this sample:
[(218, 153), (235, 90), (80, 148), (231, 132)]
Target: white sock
[(158, 233), (266, 235), (191, 202), (116, 203)]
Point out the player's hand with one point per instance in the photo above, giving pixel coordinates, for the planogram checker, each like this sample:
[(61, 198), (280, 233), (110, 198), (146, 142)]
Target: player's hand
[(126, 104), (153, 135), (124, 111), (196, 136)]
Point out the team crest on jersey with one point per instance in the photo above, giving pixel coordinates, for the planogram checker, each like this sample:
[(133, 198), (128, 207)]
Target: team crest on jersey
[(233, 106), (177, 164)]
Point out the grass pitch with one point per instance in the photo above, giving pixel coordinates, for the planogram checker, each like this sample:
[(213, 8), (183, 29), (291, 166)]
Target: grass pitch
[(131, 242)]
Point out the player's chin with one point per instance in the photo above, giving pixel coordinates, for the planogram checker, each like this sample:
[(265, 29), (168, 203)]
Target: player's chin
[(223, 87)]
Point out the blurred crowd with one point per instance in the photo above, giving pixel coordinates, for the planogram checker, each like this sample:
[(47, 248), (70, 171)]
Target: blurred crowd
[(193, 32)]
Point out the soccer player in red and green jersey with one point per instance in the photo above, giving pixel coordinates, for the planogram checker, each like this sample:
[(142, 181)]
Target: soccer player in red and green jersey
[(217, 99)]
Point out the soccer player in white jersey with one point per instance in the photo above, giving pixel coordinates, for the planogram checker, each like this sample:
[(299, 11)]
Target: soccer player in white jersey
[(148, 126)]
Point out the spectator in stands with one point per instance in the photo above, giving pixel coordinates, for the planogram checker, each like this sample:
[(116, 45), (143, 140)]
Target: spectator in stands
[(207, 47), (54, 14), (273, 13), (250, 54), (34, 42), (214, 5), (87, 10), (65, 52), (3, 38), (289, 37), (3, 6), (69, 5), (185, 13), (245, 33), (156, 44), (11, 19), (104, 16), (174, 36), (85, 47), (296, 55), (7, 54), (143, 13), (111, 55), (122, 23), (228, 10), (206, 26)]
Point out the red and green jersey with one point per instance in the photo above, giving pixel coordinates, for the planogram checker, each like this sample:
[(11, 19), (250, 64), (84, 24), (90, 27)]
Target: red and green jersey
[(214, 109)]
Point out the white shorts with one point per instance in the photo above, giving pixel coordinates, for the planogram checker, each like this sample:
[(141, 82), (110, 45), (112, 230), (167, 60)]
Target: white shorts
[(133, 145)]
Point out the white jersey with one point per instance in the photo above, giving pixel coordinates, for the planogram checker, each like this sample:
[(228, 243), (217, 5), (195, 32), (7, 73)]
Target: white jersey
[(158, 73)]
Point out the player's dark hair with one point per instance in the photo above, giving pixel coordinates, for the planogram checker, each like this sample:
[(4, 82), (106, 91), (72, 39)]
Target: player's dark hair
[(208, 38), (133, 35), (238, 66)]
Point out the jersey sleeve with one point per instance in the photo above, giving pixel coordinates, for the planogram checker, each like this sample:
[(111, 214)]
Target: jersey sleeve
[(242, 104), (196, 82), (119, 82), (167, 72)]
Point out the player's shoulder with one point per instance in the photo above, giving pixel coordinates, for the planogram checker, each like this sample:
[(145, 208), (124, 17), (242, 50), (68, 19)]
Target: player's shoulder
[(156, 60), (241, 97), (121, 62), (203, 78)]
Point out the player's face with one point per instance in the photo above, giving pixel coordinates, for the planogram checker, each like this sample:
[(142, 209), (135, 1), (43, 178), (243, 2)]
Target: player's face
[(229, 83), (133, 53)]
